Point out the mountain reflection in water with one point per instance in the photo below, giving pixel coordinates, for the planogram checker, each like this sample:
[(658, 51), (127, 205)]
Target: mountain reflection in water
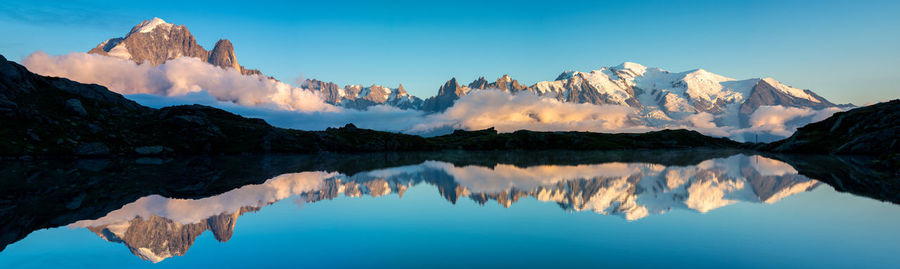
[(155, 228), (158, 208)]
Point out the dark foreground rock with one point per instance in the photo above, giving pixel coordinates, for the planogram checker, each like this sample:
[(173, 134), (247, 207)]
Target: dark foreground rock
[(870, 130), (489, 139), (853, 174)]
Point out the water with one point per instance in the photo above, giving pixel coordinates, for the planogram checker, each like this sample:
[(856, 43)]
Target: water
[(449, 209)]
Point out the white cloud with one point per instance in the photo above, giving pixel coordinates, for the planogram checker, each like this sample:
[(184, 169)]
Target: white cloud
[(380, 117), (784, 121), (508, 113), (704, 122)]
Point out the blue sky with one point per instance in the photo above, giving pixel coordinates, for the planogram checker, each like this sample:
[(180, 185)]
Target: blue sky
[(846, 51)]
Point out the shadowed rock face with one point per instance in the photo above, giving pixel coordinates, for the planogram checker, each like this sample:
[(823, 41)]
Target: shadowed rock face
[(155, 42), (329, 91), (223, 55), (447, 94)]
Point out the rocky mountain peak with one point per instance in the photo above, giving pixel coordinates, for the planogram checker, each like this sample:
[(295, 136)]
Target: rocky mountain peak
[(447, 94), (150, 25), (223, 55), (505, 83), (451, 87), (566, 75), (479, 83), (157, 41), (359, 97)]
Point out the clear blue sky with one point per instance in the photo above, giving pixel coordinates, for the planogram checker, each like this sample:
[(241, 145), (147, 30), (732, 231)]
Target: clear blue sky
[(848, 51)]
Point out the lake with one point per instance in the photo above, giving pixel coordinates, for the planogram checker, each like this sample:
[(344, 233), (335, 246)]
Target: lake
[(449, 210)]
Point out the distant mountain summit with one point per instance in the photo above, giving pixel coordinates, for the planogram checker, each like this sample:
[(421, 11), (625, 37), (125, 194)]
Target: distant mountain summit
[(634, 85), (156, 41)]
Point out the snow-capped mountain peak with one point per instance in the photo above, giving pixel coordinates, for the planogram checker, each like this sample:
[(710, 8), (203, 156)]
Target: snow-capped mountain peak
[(635, 68), (566, 75), (702, 84), (148, 26), (790, 90), (661, 98), (156, 41)]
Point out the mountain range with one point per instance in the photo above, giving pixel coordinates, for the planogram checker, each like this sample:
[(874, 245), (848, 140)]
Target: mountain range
[(660, 97), (51, 116)]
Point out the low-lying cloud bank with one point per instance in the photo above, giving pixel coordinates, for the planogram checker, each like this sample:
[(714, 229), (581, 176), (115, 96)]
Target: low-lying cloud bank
[(385, 118), (175, 78), (783, 121), (508, 113), (190, 81)]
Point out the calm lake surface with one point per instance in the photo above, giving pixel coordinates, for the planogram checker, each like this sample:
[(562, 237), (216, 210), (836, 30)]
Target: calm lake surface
[(449, 210)]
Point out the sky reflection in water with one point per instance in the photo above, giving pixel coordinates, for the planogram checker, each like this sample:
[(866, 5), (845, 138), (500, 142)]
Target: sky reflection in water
[(755, 211)]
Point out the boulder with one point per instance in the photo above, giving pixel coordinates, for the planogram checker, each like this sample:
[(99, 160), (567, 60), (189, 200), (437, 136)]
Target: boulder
[(74, 106), (149, 150), (92, 149)]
